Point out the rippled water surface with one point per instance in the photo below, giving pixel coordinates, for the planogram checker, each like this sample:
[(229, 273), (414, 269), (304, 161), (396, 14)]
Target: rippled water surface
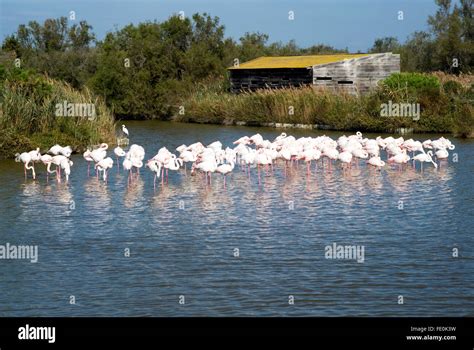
[(183, 237)]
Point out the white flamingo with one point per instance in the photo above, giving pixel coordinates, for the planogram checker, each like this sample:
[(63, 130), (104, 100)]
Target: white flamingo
[(346, 158), (225, 169), (104, 165), (66, 165), (425, 158), (376, 162), (26, 159), (154, 166), (119, 152), (88, 158)]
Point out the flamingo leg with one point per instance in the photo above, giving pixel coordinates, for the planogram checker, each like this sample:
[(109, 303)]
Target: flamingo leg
[(258, 167)]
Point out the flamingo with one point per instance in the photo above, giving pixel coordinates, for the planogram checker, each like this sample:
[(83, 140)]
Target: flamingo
[(262, 158), (162, 157), (87, 156), (187, 156), (59, 150), (119, 152), (425, 158), (244, 140), (256, 139), (308, 156), (346, 158), (331, 154), (442, 153), (25, 158), (376, 162), (208, 167), (66, 165), (99, 154), (55, 150), (104, 165), (248, 159), (127, 166), (359, 153), (400, 159), (280, 137), (225, 169), (173, 163), (154, 166), (46, 159), (56, 160)]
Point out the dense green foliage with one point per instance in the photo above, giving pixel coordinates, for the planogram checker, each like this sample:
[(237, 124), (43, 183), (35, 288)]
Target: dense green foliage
[(443, 109), (28, 114), (142, 71), (150, 69), (413, 83)]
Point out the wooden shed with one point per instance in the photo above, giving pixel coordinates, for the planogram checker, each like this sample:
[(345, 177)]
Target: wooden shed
[(354, 73)]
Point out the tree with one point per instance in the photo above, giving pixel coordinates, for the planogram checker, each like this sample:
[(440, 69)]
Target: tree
[(451, 27), (416, 54), (252, 45), (55, 48), (387, 44)]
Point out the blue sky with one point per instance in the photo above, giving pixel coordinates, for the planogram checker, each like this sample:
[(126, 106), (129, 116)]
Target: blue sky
[(340, 23)]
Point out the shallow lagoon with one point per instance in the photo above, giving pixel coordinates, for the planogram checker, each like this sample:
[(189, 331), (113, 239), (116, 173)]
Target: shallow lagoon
[(183, 236)]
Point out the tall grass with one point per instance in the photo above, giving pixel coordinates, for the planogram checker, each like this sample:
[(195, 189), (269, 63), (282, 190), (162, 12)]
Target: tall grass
[(28, 119), (442, 110)]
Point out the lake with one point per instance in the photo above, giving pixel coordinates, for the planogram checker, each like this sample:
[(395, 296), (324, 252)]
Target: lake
[(190, 249)]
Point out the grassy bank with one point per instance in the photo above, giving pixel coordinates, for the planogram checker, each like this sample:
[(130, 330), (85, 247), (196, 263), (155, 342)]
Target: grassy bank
[(29, 118), (445, 106)]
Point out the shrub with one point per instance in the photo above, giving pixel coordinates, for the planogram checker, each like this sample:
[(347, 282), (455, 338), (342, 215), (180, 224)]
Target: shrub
[(28, 119), (452, 87), (440, 111), (412, 82)]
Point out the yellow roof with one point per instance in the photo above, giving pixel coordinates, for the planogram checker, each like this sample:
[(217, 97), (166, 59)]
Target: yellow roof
[(294, 61)]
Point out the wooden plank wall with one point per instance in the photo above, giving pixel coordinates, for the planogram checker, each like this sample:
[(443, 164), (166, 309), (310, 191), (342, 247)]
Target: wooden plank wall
[(364, 72)]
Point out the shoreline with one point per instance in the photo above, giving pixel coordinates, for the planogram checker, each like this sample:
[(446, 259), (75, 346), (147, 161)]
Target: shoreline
[(319, 127)]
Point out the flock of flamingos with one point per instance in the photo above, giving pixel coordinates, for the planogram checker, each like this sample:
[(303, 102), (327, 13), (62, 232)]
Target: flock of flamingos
[(247, 152)]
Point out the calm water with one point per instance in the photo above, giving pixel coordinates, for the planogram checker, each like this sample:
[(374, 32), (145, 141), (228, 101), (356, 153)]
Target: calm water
[(182, 239)]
